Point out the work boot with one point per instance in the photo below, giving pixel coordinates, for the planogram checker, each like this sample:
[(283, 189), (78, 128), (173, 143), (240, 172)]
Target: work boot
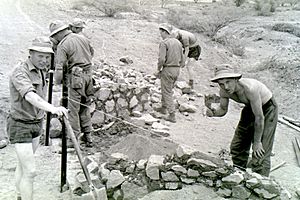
[(87, 139), (171, 118), (191, 83), (161, 110)]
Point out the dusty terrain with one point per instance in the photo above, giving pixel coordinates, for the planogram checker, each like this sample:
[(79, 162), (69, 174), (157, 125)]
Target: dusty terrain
[(22, 20)]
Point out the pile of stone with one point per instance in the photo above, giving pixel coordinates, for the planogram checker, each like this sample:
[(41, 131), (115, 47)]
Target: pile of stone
[(127, 92), (129, 180), (123, 93)]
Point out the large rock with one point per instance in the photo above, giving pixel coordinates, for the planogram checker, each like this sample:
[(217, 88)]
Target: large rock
[(185, 107), (262, 193), (122, 103), (114, 179), (193, 173), (133, 102), (178, 169), (173, 185), (98, 118), (233, 179), (109, 106), (184, 151), (103, 94), (205, 165), (153, 165), (169, 177), (240, 192)]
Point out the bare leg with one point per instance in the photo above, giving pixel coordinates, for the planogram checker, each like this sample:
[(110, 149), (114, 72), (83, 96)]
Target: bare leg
[(18, 176), (190, 72), (25, 171)]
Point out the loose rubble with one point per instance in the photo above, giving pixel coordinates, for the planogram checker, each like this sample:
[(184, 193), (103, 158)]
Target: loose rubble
[(126, 94), (129, 180)]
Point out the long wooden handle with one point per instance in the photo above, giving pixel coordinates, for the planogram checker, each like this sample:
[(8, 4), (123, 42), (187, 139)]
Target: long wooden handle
[(78, 151)]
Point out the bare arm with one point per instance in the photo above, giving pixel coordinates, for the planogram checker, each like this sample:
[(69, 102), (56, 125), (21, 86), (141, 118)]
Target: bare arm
[(222, 108), (40, 103), (256, 105)]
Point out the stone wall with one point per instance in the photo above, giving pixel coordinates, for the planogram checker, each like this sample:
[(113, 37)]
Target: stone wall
[(129, 180), (124, 92)]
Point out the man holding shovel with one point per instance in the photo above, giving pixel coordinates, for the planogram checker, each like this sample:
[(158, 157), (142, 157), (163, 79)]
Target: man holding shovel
[(28, 87), (258, 120)]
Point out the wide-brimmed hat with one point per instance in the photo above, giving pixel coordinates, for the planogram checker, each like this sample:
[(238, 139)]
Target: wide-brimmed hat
[(41, 44), (225, 71), (78, 23), (166, 27), (57, 26)]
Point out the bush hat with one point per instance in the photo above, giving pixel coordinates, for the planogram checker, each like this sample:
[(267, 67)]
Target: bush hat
[(57, 26), (166, 27), (78, 23), (41, 44), (225, 71)]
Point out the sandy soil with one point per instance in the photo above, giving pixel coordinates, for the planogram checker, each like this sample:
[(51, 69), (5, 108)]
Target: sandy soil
[(112, 38)]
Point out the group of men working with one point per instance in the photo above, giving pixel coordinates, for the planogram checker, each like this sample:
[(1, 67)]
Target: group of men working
[(259, 117), (73, 58)]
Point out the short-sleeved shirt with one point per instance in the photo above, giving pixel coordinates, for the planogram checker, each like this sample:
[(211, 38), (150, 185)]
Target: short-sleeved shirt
[(186, 38), (26, 78), (170, 53), (74, 50)]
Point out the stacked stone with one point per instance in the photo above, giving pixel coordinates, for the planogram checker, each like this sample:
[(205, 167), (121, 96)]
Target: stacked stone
[(122, 92), (126, 92), (129, 180)]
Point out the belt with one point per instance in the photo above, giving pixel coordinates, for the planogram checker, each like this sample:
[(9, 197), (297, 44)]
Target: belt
[(269, 103), (36, 121), (171, 66)]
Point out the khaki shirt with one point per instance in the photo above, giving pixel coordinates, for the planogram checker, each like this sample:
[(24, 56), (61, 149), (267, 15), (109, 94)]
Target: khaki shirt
[(26, 78), (186, 38), (170, 54), (74, 50)]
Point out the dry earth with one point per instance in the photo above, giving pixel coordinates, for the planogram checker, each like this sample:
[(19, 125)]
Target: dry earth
[(21, 20)]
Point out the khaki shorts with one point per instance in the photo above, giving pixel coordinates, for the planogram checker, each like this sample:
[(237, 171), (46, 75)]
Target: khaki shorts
[(23, 132)]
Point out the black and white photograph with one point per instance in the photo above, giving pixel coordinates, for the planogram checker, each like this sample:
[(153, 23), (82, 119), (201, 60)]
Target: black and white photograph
[(149, 99)]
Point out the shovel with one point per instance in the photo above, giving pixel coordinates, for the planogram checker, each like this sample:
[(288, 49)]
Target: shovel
[(80, 157)]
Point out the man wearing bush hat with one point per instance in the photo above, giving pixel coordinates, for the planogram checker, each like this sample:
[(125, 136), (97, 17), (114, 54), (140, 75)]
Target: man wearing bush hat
[(77, 25), (258, 120), (170, 59), (28, 88), (74, 55)]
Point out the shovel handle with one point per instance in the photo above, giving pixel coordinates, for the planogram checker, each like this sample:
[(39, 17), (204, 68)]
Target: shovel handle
[(78, 152)]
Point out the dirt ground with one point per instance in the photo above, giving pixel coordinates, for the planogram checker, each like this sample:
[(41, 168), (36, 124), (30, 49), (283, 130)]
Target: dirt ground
[(22, 20)]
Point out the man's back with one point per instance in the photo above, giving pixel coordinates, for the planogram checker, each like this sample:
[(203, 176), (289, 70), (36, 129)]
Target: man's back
[(173, 56), (76, 49), (187, 39)]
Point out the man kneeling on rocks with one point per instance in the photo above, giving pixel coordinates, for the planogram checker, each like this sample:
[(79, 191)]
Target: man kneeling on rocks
[(258, 120), (28, 88)]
